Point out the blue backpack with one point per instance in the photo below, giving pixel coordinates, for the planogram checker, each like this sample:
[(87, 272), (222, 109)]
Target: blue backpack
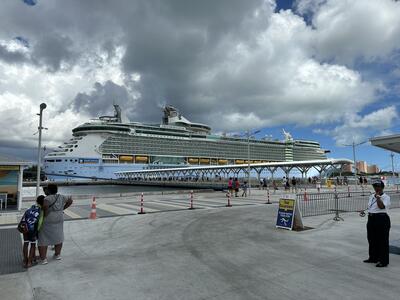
[(30, 219)]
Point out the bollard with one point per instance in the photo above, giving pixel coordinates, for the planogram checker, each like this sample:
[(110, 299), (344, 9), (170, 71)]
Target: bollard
[(141, 212), (268, 200), (191, 200), (93, 214), (229, 200)]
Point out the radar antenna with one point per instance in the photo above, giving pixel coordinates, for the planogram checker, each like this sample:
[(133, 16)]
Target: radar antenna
[(287, 135)]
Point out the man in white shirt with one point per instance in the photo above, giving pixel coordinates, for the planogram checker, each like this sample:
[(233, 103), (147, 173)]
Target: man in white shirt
[(378, 226)]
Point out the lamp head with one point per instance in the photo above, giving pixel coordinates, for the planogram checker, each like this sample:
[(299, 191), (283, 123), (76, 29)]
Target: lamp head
[(43, 106)]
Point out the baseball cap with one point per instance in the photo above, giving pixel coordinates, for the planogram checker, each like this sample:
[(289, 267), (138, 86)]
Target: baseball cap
[(377, 181)]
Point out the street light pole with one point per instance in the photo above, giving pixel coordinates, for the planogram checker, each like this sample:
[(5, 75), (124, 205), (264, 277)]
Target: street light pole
[(355, 164), (392, 155), (354, 157), (42, 107), (248, 160)]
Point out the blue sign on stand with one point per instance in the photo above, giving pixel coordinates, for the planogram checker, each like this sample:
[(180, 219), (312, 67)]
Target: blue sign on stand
[(286, 213)]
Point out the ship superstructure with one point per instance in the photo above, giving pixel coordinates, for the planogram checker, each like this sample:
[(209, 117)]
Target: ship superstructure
[(108, 144)]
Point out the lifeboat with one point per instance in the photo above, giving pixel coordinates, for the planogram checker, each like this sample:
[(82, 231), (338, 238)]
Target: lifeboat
[(204, 161), (192, 160), (142, 159), (126, 158), (222, 161), (239, 161)]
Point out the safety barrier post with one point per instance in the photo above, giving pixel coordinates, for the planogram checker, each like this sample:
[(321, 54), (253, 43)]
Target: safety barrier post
[(362, 189), (191, 200), (348, 191), (268, 197), (141, 212), (229, 200), (337, 217)]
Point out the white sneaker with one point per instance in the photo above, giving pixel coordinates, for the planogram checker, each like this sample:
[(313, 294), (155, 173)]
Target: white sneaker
[(44, 261), (57, 257)]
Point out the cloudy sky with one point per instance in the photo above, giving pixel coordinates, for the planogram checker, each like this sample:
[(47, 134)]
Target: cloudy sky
[(326, 70)]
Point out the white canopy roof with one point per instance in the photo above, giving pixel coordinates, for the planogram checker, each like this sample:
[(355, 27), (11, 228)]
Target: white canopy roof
[(389, 142)]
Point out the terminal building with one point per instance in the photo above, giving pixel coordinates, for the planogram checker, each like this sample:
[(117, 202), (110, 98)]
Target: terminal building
[(11, 178)]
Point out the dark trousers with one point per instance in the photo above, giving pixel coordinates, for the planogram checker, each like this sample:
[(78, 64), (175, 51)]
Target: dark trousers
[(378, 227)]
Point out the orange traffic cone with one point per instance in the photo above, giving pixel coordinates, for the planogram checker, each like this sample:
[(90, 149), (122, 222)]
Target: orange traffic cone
[(93, 214)]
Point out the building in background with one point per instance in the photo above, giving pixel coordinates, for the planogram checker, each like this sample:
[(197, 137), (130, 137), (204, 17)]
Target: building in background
[(373, 169), (362, 167), (348, 168)]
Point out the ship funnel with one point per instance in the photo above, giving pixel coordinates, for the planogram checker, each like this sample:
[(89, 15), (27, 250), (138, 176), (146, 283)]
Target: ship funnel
[(117, 114), (169, 112)]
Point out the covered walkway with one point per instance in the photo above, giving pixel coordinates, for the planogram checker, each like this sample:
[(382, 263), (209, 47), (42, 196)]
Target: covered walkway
[(234, 170), (388, 142)]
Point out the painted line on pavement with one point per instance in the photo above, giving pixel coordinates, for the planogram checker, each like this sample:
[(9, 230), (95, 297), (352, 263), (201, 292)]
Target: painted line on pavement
[(71, 214)]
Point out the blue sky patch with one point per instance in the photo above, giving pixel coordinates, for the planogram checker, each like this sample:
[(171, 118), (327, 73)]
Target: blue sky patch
[(30, 2), (22, 40)]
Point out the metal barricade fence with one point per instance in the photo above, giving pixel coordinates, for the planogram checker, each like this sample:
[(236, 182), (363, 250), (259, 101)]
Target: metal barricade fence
[(316, 204)]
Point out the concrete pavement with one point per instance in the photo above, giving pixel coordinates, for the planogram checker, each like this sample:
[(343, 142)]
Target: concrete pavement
[(129, 204), (230, 253)]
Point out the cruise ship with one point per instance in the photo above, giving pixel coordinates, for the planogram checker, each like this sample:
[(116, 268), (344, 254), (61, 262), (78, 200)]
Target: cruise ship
[(109, 144)]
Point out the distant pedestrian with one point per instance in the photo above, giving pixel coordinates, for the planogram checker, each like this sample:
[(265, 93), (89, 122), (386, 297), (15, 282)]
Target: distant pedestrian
[(365, 180), (265, 184), (237, 186), (378, 226), (52, 231), (318, 185), (230, 185), (29, 226), (244, 187), (274, 185), (287, 184), (294, 182)]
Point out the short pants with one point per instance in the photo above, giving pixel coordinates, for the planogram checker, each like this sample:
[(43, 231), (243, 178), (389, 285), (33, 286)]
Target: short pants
[(31, 236)]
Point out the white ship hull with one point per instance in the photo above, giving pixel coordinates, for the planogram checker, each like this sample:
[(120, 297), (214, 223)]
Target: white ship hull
[(107, 145)]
